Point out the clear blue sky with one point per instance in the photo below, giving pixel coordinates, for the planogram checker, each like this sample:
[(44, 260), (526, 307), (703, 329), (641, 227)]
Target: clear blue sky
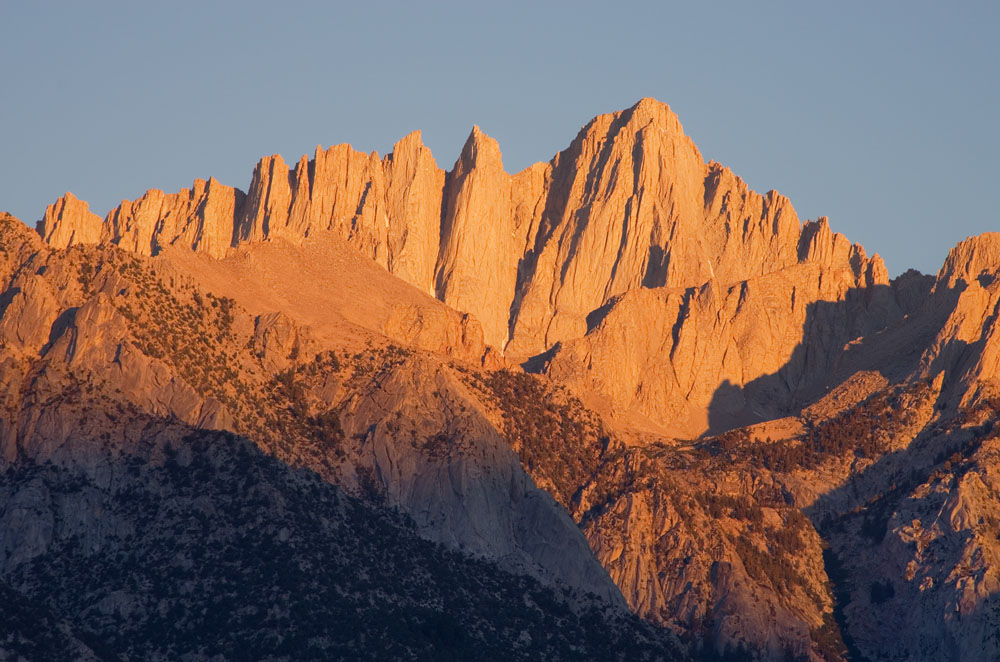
[(882, 115)]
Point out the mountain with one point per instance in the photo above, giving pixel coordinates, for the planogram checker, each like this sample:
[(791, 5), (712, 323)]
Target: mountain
[(539, 258), (620, 378)]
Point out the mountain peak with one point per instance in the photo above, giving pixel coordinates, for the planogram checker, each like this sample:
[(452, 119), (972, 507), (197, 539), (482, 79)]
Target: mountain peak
[(413, 141), (479, 150), (651, 108), (970, 259), (69, 221)]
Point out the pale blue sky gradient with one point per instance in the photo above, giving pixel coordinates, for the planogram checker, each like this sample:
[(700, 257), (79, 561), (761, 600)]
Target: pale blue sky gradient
[(881, 115)]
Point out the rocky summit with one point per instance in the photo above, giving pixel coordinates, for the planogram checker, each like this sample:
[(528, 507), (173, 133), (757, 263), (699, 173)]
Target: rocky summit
[(614, 406)]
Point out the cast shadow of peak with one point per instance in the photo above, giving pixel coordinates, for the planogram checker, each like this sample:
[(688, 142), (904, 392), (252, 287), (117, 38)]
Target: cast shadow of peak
[(539, 363), (883, 329)]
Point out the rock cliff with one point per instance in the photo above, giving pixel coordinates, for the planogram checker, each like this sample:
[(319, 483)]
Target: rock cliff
[(967, 345), (69, 221)]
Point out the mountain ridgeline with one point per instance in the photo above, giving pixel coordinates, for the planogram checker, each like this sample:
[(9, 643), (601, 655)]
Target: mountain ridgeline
[(614, 406)]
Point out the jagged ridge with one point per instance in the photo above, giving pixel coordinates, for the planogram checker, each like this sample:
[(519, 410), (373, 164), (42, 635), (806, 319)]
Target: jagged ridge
[(629, 203)]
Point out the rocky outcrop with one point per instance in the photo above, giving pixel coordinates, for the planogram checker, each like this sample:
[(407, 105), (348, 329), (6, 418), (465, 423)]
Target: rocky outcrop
[(456, 476), (965, 303), (389, 209), (28, 315), (720, 356), (624, 203), (937, 571), (479, 244), (701, 552), (912, 533), (200, 217), (632, 204), (69, 221), (413, 200), (974, 259)]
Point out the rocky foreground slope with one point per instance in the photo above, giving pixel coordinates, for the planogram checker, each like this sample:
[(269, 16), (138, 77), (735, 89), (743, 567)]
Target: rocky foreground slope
[(145, 536), (739, 428)]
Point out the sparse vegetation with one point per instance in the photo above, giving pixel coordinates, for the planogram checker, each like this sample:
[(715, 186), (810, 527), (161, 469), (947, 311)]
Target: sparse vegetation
[(862, 431), (558, 440), (225, 552)]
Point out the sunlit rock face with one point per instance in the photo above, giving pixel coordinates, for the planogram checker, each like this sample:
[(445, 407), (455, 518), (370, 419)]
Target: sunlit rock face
[(541, 257)]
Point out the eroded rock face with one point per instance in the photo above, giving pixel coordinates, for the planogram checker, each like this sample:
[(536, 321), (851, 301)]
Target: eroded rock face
[(936, 573), (425, 440), (974, 259), (30, 312), (966, 347), (564, 257), (413, 199), (718, 356), (629, 204), (912, 535), (201, 218), (69, 221), (479, 244), (685, 561), (627, 208)]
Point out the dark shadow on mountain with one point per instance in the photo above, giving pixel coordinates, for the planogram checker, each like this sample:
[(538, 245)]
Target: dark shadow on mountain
[(884, 328), (597, 315), (65, 320), (221, 550), (656, 268), (853, 517), (856, 515), (538, 363), (7, 297)]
